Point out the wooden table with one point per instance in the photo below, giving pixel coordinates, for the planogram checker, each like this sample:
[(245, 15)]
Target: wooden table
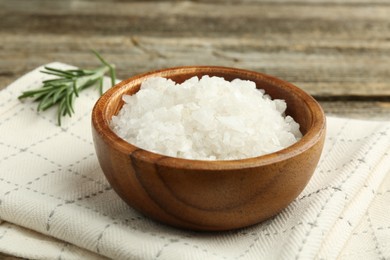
[(337, 50)]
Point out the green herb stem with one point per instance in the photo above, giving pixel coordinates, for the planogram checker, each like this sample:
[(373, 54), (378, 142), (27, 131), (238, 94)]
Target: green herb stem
[(62, 91)]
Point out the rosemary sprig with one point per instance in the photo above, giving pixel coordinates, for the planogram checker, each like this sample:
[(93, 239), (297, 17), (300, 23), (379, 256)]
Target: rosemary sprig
[(63, 90)]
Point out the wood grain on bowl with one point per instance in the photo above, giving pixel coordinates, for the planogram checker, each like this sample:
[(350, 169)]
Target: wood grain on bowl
[(210, 195)]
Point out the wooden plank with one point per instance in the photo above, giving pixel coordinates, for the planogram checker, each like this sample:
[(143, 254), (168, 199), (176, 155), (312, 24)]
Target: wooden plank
[(373, 110), (178, 18), (231, 9), (321, 68), (8, 257)]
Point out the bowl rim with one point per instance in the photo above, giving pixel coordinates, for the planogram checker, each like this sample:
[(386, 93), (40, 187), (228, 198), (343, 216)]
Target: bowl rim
[(314, 134)]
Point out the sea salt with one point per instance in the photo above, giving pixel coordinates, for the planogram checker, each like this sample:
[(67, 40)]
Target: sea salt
[(205, 119)]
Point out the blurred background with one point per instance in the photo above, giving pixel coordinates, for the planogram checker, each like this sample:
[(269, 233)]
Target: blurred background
[(337, 50)]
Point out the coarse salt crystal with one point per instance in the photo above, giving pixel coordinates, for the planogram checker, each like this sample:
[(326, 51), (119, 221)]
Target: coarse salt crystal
[(205, 119)]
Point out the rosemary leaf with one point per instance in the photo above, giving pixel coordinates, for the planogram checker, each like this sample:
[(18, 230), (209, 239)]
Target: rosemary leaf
[(62, 90)]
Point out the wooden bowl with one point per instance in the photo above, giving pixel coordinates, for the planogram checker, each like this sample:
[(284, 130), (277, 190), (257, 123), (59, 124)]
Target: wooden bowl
[(209, 195)]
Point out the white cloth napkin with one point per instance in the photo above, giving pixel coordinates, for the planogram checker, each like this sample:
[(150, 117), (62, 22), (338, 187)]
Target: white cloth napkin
[(55, 202)]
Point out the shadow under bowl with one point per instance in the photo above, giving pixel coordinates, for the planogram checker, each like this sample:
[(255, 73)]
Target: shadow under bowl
[(209, 195)]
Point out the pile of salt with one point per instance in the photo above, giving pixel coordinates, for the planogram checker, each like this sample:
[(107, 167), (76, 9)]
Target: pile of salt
[(205, 119)]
